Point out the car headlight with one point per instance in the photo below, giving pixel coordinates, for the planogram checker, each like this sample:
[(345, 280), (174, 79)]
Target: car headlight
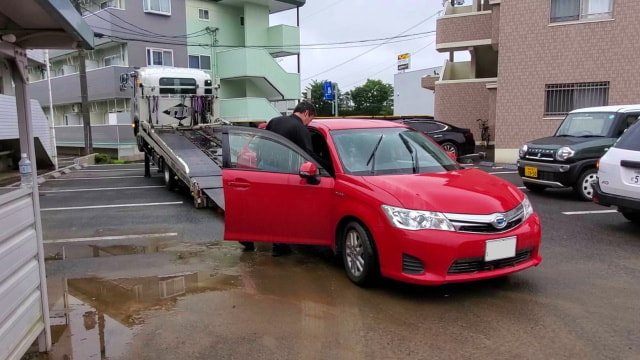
[(528, 209), (416, 220), (523, 151), (564, 153)]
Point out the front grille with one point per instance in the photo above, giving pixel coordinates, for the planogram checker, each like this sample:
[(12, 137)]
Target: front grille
[(473, 265), (412, 265), (488, 228), (540, 154), (546, 175)]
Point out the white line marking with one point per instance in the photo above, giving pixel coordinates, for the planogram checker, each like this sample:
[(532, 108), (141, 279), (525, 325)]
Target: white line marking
[(589, 212), (98, 178), (112, 206), (503, 172), (101, 238), (141, 164), (104, 189), (94, 170)]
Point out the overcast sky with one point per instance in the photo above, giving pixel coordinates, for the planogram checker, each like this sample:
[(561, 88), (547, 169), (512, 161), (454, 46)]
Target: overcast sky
[(323, 21)]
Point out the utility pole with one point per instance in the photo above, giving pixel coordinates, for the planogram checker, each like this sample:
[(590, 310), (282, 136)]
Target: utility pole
[(84, 96)]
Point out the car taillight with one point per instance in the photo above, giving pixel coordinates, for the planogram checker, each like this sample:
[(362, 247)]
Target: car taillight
[(468, 134), (598, 164)]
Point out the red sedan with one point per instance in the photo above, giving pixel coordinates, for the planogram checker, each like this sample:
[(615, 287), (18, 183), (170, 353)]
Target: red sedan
[(386, 198)]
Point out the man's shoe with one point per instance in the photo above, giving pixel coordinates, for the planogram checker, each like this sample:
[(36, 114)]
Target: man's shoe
[(281, 250), (248, 245)]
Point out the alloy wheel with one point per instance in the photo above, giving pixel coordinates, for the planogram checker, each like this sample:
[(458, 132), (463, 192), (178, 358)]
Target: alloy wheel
[(355, 253)]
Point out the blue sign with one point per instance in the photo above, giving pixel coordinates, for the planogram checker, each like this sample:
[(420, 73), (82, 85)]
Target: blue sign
[(328, 90)]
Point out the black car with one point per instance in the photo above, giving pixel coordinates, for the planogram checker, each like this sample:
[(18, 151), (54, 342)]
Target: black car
[(452, 138)]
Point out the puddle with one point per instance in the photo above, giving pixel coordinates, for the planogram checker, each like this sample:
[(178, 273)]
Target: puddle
[(93, 318)]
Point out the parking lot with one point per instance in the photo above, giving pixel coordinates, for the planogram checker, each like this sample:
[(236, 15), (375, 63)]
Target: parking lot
[(136, 272)]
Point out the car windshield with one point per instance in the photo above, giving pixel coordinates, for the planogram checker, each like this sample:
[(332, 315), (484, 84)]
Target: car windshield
[(586, 124), (389, 151)]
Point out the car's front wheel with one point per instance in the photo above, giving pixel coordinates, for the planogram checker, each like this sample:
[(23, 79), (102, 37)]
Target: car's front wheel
[(583, 187), (358, 254), (633, 216)]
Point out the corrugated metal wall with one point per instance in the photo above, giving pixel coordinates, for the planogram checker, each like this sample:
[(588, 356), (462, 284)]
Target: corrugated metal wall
[(21, 318)]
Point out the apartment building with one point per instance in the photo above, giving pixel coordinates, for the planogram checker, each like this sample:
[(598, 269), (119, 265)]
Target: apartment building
[(221, 37), (532, 62)]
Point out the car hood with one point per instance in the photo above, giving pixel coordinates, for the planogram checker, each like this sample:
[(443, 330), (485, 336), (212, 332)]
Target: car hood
[(557, 142), (464, 191)]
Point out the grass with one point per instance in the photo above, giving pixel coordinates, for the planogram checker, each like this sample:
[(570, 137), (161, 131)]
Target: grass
[(105, 159)]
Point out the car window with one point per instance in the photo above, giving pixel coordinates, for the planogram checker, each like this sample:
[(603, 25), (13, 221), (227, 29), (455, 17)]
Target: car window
[(425, 126), (392, 155), (630, 140), (586, 124), (257, 152)]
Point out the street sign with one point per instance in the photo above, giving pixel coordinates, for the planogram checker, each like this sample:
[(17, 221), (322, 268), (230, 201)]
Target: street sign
[(404, 61), (328, 90)]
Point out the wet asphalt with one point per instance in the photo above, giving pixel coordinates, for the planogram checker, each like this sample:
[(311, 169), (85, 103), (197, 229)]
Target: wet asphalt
[(130, 280)]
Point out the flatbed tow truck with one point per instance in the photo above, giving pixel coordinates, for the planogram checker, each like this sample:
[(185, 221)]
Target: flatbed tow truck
[(175, 117)]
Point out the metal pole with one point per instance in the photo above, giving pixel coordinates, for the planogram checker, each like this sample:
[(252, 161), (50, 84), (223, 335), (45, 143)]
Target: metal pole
[(298, 24), (52, 131), (27, 145), (86, 119)]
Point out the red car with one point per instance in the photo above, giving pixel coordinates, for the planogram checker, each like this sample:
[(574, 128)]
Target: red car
[(386, 198)]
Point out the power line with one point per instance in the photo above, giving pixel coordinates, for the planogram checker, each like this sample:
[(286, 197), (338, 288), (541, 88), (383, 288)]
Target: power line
[(370, 50), (388, 67), (357, 44), (324, 9)]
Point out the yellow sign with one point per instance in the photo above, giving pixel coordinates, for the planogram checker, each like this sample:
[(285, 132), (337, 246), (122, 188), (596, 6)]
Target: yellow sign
[(404, 61), (403, 56)]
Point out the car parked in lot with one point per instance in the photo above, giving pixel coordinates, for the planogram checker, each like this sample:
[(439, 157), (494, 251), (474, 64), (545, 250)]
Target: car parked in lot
[(389, 200), (618, 181), (569, 157), (453, 139)]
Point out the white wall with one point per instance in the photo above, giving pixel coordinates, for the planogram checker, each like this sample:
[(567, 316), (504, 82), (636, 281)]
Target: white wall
[(9, 122), (410, 98)]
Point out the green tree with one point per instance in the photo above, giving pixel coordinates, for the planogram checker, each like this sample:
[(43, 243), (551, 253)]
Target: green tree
[(372, 98), (323, 106)]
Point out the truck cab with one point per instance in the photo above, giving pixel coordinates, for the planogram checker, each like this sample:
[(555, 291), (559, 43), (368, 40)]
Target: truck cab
[(569, 157)]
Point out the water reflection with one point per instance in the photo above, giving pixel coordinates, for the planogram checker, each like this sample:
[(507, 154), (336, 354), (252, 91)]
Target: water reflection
[(94, 318)]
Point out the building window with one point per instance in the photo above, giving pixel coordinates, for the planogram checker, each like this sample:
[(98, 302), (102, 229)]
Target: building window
[(158, 6), (159, 57), (563, 98), (116, 4), (203, 14), (576, 10), (112, 60), (200, 62)]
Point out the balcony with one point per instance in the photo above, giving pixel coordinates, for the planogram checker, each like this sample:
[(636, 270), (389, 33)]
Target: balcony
[(103, 83), (281, 38), (256, 74), (467, 71), (462, 27), (245, 109)]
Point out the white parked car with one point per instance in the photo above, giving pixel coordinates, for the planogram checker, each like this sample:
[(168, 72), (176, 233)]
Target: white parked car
[(618, 181)]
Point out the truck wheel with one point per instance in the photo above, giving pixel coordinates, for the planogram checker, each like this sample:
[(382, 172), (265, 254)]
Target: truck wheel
[(583, 187), (535, 187), (358, 254), (169, 176), (633, 216)]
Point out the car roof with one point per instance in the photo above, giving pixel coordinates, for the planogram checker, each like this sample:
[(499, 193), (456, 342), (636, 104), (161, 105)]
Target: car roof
[(343, 124), (611, 108)]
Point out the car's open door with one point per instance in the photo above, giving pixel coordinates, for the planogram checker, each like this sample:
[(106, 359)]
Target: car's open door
[(274, 191)]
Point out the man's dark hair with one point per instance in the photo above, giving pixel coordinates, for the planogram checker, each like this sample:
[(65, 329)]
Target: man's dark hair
[(305, 106)]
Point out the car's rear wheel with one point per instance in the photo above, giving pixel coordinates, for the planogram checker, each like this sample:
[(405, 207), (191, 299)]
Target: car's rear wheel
[(583, 187), (450, 147), (535, 187), (358, 254), (633, 216)]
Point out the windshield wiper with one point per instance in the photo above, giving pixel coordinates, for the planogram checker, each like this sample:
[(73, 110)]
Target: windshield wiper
[(585, 136), (373, 155), (412, 151)]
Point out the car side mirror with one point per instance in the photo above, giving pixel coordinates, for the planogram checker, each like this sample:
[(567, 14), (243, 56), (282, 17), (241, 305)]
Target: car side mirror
[(309, 171)]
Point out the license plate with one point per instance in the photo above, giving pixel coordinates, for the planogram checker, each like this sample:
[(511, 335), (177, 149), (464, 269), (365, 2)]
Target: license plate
[(530, 171), (500, 248)]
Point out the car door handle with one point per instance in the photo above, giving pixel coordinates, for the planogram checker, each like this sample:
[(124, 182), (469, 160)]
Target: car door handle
[(239, 184), (435, 136)]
